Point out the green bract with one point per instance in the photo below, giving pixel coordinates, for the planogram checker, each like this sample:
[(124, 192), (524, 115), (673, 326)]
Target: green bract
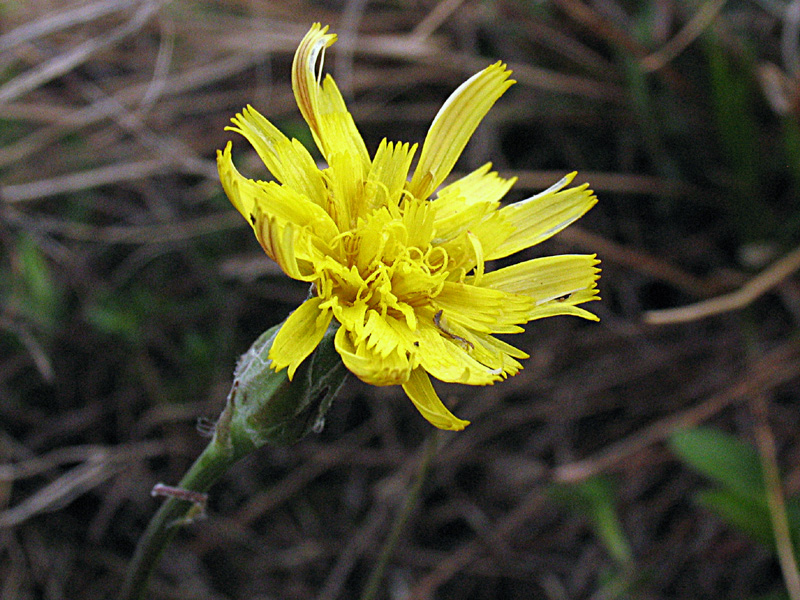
[(264, 407)]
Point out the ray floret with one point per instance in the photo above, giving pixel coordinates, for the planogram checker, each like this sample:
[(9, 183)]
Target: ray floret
[(401, 267)]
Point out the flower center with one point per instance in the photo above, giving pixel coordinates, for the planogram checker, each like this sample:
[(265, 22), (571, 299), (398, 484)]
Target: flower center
[(384, 265)]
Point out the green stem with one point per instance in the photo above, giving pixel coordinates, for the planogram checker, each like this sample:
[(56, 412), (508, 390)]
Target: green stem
[(263, 407), (375, 578), (206, 470)]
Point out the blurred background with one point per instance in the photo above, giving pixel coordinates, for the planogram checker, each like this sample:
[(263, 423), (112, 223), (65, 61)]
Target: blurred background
[(653, 455)]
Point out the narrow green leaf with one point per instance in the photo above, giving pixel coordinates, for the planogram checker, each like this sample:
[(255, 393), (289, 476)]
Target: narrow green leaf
[(595, 498), (733, 97), (722, 458), (746, 514), (39, 296)]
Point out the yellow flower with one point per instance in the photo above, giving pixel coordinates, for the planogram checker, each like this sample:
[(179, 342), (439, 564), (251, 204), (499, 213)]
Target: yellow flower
[(402, 270)]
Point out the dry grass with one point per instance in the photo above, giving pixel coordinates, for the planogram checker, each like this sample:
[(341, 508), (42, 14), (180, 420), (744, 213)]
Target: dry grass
[(129, 285)]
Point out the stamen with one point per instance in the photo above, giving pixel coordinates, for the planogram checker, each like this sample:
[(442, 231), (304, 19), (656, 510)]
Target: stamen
[(477, 247), (437, 258), (406, 197)]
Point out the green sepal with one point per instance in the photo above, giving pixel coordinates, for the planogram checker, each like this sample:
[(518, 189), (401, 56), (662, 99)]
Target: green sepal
[(264, 407)]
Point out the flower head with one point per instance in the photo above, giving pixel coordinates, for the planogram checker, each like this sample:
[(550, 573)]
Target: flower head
[(401, 266)]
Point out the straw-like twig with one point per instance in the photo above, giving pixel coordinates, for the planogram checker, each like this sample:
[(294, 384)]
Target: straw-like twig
[(736, 300), (63, 63)]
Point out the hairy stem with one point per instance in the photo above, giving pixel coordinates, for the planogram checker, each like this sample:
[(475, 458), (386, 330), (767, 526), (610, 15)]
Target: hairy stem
[(215, 460)]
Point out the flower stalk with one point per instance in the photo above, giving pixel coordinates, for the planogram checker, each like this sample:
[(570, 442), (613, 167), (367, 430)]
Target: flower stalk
[(206, 470), (263, 407), (400, 271)]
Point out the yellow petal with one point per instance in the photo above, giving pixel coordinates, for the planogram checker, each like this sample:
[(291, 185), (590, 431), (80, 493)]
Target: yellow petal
[(270, 199), (339, 132), (556, 308), (494, 345), (240, 190), (351, 315), (288, 161), (388, 174), (345, 202), (547, 278), (287, 225), (299, 336), (480, 265), (450, 358), (288, 245), (557, 284), (542, 216), (368, 365), (421, 392), (481, 185), (462, 219), (381, 336), (418, 216), (415, 285), (454, 125), (304, 78), (322, 106), (465, 204), (483, 309)]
